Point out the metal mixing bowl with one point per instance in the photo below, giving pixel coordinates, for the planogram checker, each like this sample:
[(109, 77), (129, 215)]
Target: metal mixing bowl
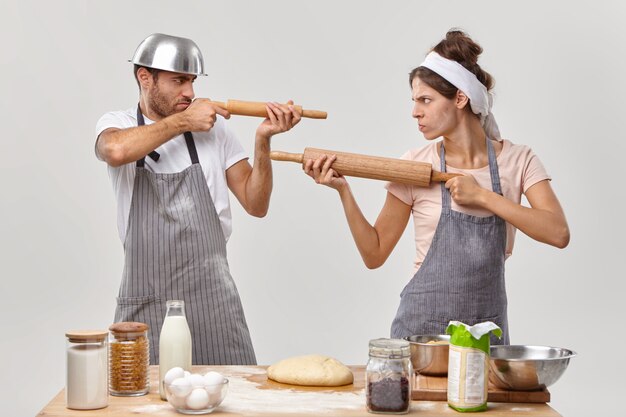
[(527, 368), (428, 358), (169, 53)]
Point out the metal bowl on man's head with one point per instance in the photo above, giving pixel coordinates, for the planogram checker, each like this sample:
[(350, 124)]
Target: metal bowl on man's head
[(429, 354), (169, 53), (527, 368)]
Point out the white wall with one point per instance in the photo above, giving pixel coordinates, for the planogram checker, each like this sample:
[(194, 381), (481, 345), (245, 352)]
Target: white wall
[(558, 68)]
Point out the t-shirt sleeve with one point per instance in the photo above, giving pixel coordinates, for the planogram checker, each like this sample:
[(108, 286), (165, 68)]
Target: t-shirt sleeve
[(233, 150), (109, 120), (401, 191), (534, 171)]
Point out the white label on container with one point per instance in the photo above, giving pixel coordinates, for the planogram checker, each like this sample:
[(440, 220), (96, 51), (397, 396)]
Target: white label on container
[(467, 368), (475, 377), (454, 374)]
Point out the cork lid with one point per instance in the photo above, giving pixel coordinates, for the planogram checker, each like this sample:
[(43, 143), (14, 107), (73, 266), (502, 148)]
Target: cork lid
[(128, 327), (82, 336)]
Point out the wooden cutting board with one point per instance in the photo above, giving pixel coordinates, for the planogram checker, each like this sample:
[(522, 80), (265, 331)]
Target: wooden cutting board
[(434, 388)]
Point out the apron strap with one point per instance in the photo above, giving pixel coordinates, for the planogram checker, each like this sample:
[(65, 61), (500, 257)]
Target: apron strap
[(191, 147), (493, 168), (154, 155), (446, 200)]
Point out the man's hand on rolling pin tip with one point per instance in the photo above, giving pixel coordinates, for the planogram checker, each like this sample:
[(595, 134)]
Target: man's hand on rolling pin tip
[(280, 118), (201, 114)]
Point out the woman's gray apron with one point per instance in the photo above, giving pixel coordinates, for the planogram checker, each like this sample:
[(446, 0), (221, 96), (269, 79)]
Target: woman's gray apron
[(462, 276), (175, 250)]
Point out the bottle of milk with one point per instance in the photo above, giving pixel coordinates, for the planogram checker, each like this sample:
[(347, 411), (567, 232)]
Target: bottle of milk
[(174, 342)]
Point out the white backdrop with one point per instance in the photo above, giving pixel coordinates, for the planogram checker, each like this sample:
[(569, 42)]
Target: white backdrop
[(559, 89)]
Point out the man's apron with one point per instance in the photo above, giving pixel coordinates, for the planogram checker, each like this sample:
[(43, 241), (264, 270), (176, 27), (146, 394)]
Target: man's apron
[(462, 276), (175, 250)]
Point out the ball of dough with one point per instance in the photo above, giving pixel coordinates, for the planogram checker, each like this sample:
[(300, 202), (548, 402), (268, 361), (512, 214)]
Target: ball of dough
[(311, 370)]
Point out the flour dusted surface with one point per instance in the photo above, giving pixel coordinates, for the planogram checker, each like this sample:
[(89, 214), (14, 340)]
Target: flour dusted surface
[(246, 396)]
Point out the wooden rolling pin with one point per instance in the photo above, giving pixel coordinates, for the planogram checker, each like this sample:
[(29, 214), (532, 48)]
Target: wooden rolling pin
[(373, 167), (257, 108)]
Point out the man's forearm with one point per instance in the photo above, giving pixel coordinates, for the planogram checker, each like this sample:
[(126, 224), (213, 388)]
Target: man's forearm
[(259, 184), (122, 146)]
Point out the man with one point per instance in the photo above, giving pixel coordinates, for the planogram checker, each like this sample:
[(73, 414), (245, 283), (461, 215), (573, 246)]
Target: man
[(173, 210)]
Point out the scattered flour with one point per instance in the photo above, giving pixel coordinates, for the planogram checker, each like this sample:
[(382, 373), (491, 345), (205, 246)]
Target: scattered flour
[(242, 370), (244, 395), (426, 406), (165, 408)]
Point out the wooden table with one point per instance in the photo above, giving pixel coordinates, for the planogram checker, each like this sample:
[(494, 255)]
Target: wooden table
[(250, 393)]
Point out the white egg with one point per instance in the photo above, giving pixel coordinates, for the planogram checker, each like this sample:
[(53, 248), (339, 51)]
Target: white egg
[(198, 399), (187, 373), (196, 380), (172, 374), (213, 381), (180, 387)]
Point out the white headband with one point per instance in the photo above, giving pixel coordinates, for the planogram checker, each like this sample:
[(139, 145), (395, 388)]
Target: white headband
[(481, 100)]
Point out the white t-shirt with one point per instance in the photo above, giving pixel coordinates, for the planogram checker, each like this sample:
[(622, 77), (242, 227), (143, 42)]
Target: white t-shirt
[(218, 150)]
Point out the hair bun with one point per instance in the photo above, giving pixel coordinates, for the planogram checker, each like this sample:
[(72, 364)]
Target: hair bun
[(459, 47)]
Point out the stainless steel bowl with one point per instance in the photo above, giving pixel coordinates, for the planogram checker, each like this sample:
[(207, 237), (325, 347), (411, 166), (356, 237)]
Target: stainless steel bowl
[(169, 53), (429, 358), (527, 368)]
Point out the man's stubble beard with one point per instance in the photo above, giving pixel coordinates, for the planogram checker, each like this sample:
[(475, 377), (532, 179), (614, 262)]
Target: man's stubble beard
[(159, 104)]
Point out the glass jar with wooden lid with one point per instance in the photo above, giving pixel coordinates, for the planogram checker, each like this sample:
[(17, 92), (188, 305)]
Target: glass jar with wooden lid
[(86, 376), (129, 359)]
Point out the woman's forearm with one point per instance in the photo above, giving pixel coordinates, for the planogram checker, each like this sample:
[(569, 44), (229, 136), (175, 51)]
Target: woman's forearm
[(544, 224), (375, 243), (364, 234)]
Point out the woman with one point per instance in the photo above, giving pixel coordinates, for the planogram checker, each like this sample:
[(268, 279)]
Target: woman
[(464, 229)]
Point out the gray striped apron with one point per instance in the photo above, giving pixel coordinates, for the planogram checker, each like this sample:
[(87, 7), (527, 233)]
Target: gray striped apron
[(175, 250), (462, 276)]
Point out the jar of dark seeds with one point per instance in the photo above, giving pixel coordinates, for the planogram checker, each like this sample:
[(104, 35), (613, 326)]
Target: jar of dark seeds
[(129, 359), (388, 376)]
